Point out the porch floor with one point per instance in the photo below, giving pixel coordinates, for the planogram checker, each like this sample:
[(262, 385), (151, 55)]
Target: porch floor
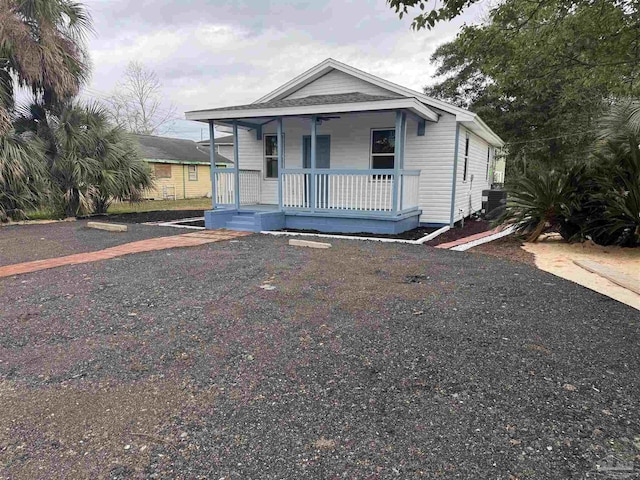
[(259, 207)]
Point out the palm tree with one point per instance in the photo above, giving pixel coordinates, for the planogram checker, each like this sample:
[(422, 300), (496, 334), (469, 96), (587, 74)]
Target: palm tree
[(23, 176), (90, 161), (619, 174), (42, 46)]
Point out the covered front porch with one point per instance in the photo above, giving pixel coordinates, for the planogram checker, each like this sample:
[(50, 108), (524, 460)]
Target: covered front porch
[(334, 171)]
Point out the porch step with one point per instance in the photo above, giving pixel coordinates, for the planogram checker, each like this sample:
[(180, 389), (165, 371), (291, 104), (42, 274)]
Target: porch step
[(245, 223)]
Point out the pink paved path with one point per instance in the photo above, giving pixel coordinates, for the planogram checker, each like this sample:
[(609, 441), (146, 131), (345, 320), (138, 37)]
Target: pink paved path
[(159, 243)]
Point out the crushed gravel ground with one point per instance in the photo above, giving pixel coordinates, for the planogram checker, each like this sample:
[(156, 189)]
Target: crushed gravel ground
[(24, 243), (252, 359)]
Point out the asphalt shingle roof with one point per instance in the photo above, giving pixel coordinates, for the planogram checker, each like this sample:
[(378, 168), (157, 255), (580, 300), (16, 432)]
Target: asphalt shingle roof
[(354, 97), (176, 149)]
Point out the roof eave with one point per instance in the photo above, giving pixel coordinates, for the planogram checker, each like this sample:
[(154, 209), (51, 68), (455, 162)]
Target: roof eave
[(402, 103)]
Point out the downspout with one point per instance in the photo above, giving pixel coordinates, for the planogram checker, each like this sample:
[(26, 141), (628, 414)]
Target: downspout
[(184, 186), (455, 176)]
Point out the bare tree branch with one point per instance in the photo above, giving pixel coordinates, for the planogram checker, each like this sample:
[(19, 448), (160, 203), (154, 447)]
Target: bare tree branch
[(136, 103)]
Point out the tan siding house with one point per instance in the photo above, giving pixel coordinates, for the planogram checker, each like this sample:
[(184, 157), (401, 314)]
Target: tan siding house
[(181, 168)]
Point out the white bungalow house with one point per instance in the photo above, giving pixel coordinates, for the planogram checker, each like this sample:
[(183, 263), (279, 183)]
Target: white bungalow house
[(340, 150)]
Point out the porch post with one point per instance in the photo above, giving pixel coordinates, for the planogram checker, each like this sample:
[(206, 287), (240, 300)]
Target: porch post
[(398, 160), (280, 145), (236, 165), (312, 181), (212, 158)]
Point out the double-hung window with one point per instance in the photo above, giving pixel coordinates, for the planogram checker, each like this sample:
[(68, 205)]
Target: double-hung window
[(383, 148), (465, 171), (271, 155), (193, 173)]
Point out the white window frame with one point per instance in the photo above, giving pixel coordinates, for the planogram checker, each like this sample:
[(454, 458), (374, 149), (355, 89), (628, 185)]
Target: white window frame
[(195, 173), (371, 154), (465, 169), (271, 157)]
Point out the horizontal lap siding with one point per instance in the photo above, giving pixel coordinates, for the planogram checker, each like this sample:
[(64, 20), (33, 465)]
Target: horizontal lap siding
[(201, 187), (184, 188), (350, 149), (226, 151), (477, 168), (336, 82), (433, 155)]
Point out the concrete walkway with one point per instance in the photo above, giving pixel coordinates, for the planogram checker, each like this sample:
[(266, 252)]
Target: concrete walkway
[(160, 243)]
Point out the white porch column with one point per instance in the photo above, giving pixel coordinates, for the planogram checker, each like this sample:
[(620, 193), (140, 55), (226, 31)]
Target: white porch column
[(398, 160), (280, 146), (236, 165), (212, 158), (312, 155)]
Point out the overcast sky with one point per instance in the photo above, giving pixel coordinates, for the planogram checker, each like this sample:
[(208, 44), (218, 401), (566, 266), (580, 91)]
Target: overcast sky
[(230, 52)]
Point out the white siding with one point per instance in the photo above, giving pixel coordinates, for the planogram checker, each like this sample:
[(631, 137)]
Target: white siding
[(336, 82), (433, 154), (226, 151), (469, 192), (350, 149)]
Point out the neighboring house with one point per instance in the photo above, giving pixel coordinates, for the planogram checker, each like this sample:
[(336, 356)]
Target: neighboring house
[(181, 168), (224, 146), (340, 150)]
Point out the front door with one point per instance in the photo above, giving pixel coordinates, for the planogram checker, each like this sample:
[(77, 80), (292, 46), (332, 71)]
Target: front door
[(323, 160)]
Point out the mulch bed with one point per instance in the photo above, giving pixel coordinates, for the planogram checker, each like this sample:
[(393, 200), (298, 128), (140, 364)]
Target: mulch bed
[(144, 217), (471, 227), (414, 234), (255, 359), (507, 248)]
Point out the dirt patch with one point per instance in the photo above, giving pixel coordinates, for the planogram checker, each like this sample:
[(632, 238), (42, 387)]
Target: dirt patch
[(471, 227), (554, 255), (508, 248)]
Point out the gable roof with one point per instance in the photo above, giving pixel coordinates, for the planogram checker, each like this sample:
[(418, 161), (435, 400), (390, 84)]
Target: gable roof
[(174, 149), (467, 118), (353, 97)]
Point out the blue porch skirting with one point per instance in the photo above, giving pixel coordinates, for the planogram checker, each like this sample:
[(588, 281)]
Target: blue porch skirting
[(327, 222)]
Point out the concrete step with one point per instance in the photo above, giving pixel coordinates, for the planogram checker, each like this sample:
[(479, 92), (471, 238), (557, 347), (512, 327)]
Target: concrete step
[(241, 226)]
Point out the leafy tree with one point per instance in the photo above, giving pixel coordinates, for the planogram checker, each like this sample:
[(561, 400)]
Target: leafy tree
[(89, 160), (541, 72), (432, 12), (136, 104)]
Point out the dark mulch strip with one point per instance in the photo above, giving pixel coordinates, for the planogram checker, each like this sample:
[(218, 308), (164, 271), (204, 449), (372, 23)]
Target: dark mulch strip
[(508, 248), (367, 360), (25, 243), (197, 223), (471, 227), (414, 234), (156, 216)]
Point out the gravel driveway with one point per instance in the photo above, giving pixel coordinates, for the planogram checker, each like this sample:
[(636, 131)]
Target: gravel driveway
[(255, 360)]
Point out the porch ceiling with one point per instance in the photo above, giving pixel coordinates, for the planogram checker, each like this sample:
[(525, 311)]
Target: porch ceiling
[(314, 105)]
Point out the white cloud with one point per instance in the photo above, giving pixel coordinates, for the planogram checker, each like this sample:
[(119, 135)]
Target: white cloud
[(203, 64)]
